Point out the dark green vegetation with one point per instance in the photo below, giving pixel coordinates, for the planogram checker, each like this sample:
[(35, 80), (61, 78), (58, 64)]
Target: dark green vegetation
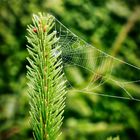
[(110, 25)]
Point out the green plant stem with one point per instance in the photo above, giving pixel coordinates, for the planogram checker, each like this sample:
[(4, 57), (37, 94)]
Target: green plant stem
[(118, 43), (46, 85), (124, 31)]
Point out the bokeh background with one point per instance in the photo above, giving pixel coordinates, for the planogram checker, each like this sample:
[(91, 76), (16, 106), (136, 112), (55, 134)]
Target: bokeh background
[(112, 26)]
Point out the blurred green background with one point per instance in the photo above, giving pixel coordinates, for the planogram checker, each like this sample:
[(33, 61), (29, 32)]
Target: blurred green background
[(112, 26)]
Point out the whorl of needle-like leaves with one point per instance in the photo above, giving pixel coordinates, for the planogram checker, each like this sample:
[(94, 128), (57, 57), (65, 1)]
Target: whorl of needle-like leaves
[(46, 85)]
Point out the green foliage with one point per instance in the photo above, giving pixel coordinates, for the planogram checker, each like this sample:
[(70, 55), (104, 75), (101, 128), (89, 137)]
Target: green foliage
[(115, 138), (99, 22), (46, 86)]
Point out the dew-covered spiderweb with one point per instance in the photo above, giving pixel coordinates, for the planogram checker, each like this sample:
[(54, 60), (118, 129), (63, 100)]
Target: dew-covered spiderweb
[(103, 73)]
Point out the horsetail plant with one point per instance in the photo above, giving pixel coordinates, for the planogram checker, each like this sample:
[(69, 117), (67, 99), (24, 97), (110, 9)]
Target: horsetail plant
[(46, 84)]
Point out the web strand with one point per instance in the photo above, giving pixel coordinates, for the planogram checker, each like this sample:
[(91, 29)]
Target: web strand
[(102, 68)]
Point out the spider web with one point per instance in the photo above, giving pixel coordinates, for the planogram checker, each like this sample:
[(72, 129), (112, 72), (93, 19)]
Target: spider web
[(105, 75)]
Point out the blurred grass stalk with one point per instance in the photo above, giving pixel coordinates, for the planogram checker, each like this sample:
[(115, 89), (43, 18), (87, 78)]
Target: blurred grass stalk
[(125, 30), (122, 35)]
